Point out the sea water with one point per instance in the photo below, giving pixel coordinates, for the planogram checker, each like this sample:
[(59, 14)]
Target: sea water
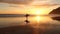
[(33, 20)]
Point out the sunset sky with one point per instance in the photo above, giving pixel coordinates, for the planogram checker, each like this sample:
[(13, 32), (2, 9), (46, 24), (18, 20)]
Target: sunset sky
[(28, 6)]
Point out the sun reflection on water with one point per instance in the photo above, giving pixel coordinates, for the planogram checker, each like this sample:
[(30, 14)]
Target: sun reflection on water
[(40, 19), (37, 18), (44, 19)]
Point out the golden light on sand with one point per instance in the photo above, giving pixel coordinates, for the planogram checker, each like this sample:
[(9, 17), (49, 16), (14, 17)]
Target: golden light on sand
[(37, 18), (42, 19)]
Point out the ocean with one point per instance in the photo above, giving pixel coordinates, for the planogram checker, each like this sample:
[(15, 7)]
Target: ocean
[(39, 24), (33, 20)]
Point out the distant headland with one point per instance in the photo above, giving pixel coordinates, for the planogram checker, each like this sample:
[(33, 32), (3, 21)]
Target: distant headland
[(56, 11)]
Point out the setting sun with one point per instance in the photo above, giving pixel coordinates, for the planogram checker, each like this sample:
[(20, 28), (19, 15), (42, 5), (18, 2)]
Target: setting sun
[(37, 12)]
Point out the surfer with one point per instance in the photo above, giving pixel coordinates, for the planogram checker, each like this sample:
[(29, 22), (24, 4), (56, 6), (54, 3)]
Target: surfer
[(27, 15)]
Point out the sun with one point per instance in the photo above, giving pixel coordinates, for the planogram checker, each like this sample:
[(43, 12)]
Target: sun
[(41, 12), (37, 12)]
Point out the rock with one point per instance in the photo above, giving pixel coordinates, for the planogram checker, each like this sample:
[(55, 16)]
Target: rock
[(56, 18), (54, 12)]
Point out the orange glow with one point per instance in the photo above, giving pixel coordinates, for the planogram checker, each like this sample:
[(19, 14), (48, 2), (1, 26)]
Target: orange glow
[(38, 18), (43, 19), (38, 11)]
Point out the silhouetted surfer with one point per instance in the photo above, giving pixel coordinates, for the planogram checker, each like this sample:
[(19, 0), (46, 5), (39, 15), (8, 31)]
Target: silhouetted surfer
[(27, 15)]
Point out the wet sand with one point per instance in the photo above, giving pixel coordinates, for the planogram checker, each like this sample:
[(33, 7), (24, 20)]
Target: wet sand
[(28, 29)]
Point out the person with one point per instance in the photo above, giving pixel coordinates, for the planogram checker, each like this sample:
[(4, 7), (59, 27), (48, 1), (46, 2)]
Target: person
[(27, 15)]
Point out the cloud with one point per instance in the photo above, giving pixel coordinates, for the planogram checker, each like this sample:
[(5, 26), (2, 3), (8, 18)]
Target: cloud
[(46, 2), (55, 1), (32, 2), (17, 1)]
